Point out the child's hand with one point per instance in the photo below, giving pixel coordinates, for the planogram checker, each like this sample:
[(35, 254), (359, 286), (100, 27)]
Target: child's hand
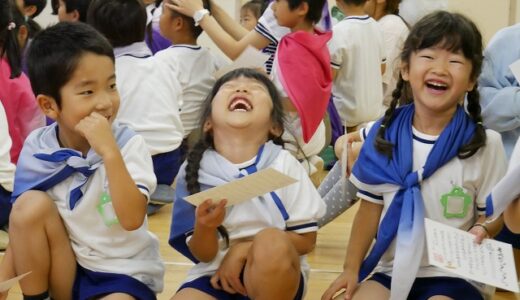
[(480, 231), (210, 215), (98, 132), (185, 7), (348, 280), (227, 276)]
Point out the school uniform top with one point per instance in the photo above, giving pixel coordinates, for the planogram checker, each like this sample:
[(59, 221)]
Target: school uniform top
[(99, 247), (300, 200), (150, 98), (193, 67), (21, 109), (6, 167), (475, 175), (357, 52), (395, 33), (498, 87)]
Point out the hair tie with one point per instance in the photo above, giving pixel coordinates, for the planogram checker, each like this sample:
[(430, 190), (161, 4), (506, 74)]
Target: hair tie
[(11, 26), (382, 126), (479, 123)]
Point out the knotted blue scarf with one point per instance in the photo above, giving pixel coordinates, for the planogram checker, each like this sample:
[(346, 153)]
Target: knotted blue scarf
[(44, 163), (404, 218), (214, 170)]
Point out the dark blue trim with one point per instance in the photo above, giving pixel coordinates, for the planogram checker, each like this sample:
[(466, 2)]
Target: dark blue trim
[(357, 18), (481, 208), (187, 47), (260, 28), (370, 195), (364, 133), (302, 226), (335, 64), (143, 187), (135, 56), (424, 141)]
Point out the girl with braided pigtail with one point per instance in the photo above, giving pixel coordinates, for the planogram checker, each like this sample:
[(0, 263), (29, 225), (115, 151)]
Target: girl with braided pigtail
[(431, 158), (255, 249)]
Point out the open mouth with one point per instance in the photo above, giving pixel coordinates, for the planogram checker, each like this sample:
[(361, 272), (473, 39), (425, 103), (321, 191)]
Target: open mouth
[(240, 104), (436, 85)]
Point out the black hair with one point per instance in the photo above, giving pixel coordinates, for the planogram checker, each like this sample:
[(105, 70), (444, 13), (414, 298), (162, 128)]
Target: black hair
[(257, 7), (80, 5), (122, 22), (195, 30), (9, 40), (56, 51), (453, 32), (315, 8), (55, 5), (39, 4), (354, 2), (206, 139), (392, 7)]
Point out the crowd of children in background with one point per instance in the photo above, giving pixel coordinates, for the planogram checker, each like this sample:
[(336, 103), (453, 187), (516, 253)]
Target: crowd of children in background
[(136, 119)]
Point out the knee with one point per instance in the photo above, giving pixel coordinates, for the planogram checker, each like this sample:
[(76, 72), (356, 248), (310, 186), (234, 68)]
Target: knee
[(32, 207), (273, 251)]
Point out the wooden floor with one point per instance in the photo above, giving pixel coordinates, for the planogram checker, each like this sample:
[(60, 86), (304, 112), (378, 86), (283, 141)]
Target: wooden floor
[(326, 260)]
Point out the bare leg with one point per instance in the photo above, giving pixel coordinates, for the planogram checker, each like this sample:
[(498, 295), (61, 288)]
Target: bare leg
[(191, 294), (368, 290), (40, 244), (272, 270), (118, 296), (7, 269)]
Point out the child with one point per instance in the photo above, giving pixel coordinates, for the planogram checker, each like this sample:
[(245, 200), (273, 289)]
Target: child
[(454, 164), (301, 71), (73, 10), (21, 109), (155, 41), (268, 236), (358, 60), (191, 64), (151, 96), (6, 176), (81, 185), (395, 31), (250, 12)]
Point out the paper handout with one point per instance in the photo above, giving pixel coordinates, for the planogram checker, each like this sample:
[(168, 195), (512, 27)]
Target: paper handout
[(249, 58), (6, 285), (245, 188), (455, 251)]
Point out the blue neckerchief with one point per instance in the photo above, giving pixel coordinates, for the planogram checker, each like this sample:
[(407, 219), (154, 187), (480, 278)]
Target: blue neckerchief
[(404, 218), (214, 170), (44, 163)]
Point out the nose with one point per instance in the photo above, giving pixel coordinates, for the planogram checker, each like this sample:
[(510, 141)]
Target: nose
[(241, 90), (104, 101), (440, 67)]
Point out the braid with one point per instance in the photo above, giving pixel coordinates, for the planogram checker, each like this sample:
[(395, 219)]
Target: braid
[(479, 138), (380, 143), (192, 173)]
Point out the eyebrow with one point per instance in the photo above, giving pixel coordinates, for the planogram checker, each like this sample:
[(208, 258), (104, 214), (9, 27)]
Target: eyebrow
[(85, 83)]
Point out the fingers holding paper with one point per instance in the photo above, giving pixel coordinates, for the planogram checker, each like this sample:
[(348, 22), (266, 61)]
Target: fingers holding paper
[(211, 214)]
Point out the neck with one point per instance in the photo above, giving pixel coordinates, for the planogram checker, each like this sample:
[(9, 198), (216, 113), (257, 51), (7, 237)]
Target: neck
[(432, 123), (73, 141), (353, 10), (237, 147), (184, 40), (303, 26), (379, 13)]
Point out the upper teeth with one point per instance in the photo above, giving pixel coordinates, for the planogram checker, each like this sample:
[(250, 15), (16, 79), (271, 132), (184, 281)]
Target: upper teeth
[(437, 84), (244, 102)]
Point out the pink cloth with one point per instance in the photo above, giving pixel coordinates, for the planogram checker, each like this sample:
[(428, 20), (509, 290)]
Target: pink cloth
[(21, 109), (304, 68)]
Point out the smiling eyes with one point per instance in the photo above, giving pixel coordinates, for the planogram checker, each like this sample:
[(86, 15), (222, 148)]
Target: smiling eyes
[(451, 61), (112, 87)]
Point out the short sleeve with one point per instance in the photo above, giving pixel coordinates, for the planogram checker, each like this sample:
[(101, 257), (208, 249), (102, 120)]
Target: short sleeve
[(336, 51), (493, 167), (301, 200), (268, 27), (139, 164)]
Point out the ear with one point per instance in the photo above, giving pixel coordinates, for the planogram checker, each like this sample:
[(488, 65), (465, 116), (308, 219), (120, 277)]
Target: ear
[(29, 10), (178, 23), (471, 85), (405, 71), (208, 125), (75, 15), (23, 34), (275, 130), (303, 9), (48, 106)]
